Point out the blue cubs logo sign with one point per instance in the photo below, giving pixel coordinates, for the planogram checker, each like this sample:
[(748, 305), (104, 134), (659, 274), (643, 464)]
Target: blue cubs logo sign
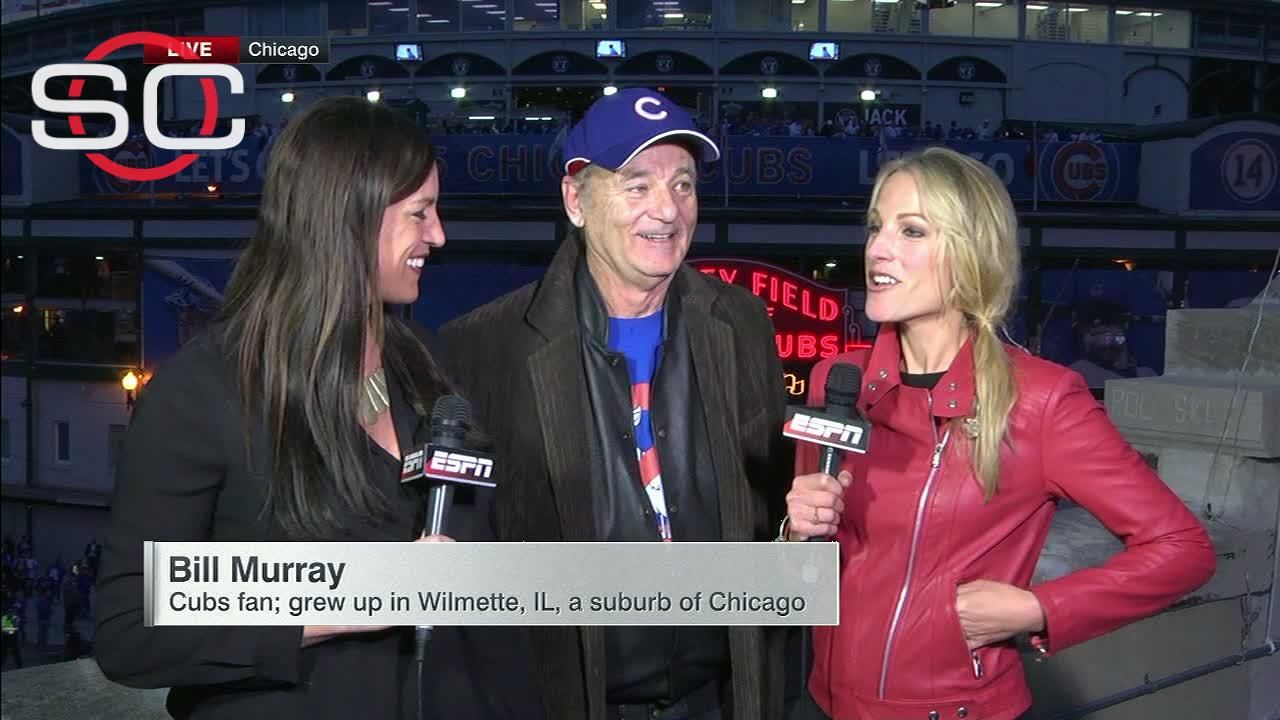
[(1079, 171), (133, 153)]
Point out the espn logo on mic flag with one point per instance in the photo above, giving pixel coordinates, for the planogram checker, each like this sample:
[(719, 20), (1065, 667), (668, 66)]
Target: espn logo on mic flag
[(814, 426), (449, 465)]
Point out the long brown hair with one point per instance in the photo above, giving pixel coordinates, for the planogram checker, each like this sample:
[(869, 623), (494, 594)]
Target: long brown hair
[(305, 293), (978, 248)]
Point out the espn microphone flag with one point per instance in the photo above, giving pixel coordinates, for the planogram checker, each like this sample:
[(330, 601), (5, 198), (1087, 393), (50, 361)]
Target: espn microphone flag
[(443, 459), (838, 426), (815, 426), (434, 462)]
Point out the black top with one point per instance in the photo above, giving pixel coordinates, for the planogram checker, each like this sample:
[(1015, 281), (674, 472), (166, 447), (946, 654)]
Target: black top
[(922, 380), (184, 475)]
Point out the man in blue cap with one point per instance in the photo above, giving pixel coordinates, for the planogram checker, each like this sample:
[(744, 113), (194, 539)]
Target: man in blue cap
[(633, 398)]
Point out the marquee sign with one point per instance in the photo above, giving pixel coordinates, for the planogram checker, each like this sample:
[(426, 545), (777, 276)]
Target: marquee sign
[(811, 321)]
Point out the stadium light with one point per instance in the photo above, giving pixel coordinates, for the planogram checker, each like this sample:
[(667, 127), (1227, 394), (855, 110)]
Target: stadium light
[(769, 93), (373, 96), (610, 89), (458, 93), (868, 95), (286, 97)]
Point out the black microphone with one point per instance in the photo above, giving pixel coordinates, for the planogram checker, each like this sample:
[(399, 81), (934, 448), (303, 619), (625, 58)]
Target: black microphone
[(843, 383), (838, 427), (450, 421), (443, 463)]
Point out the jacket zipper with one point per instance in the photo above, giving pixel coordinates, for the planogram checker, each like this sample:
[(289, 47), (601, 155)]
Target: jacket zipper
[(934, 463)]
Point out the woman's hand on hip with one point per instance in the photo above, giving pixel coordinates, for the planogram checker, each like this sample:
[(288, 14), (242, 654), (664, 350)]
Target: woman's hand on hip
[(991, 612)]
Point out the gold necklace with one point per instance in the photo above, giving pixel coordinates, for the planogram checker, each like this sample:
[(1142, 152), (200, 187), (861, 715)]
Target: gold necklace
[(374, 399)]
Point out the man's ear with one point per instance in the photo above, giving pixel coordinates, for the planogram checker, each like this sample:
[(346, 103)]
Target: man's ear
[(570, 191)]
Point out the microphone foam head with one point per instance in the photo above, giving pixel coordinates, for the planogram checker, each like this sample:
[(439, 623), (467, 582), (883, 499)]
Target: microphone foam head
[(451, 410), (843, 383)]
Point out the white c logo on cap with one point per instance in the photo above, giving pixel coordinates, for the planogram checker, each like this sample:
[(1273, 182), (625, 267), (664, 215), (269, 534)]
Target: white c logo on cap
[(646, 101)]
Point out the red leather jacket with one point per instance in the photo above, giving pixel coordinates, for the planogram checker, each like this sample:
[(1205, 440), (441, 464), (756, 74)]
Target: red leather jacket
[(916, 526)]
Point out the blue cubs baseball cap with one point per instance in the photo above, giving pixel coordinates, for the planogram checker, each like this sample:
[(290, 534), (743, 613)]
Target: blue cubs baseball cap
[(618, 127)]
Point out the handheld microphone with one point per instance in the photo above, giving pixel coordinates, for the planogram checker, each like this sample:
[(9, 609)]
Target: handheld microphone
[(837, 428), (443, 463), (843, 383)]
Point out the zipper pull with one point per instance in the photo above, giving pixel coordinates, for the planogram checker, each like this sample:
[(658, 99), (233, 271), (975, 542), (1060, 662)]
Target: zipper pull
[(937, 454), (977, 664)]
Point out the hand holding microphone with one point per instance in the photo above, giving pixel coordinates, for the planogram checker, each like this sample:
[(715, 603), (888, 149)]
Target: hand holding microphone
[(815, 503)]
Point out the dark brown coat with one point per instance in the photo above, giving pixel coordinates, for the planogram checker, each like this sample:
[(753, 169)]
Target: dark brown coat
[(519, 361)]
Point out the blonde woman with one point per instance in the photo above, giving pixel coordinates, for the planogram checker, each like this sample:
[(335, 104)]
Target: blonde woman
[(973, 443)]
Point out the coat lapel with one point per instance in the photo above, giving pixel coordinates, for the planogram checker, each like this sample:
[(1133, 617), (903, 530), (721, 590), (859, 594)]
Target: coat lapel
[(711, 342), (559, 390), (559, 384)]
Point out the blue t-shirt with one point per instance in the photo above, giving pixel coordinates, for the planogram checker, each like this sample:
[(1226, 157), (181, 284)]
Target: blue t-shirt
[(639, 339)]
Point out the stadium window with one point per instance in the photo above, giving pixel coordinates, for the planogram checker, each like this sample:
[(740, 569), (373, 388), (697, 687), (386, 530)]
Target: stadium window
[(266, 19), (192, 22), (776, 15), (86, 307), (50, 42), (1240, 32), (848, 16), (305, 17), (13, 48), (348, 17), (1153, 26), (804, 15), (132, 23), (562, 15), (895, 16), (162, 24), (954, 20), (438, 16), (389, 17), (89, 33), (485, 16), (1066, 22), (664, 15), (995, 19), (62, 442)]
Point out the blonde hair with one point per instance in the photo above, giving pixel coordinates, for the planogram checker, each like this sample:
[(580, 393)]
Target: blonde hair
[(978, 249)]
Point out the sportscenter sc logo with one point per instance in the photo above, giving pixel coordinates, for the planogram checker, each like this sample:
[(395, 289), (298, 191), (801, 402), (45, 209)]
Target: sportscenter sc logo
[(92, 146)]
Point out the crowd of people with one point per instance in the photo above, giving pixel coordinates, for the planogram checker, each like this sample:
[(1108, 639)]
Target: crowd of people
[(34, 595)]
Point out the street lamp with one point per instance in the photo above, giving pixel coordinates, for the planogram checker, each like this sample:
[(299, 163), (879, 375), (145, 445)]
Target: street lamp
[(130, 383)]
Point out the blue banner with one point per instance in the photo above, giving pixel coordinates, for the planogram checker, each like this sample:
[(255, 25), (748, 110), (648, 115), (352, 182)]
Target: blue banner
[(755, 166), (180, 296), (1236, 172), (238, 170)]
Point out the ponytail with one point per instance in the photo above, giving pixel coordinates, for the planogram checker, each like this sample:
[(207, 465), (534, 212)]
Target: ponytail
[(996, 392)]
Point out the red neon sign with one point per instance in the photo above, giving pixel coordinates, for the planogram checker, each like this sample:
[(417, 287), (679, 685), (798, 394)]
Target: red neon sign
[(811, 321)]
